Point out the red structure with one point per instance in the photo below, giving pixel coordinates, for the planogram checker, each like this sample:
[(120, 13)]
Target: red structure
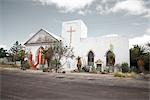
[(40, 58)]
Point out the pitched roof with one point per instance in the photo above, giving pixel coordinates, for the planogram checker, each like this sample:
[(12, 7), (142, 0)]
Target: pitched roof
[(44, 37)]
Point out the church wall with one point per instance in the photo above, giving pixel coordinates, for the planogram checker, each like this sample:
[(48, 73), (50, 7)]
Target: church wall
[(121, 50), (83, 30), (80, 31), (99, 46), (66, 35), (82, 45), (83, 48), (32, 50)]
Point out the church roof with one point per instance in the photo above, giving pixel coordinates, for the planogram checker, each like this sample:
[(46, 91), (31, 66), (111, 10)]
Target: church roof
[(43, 37)]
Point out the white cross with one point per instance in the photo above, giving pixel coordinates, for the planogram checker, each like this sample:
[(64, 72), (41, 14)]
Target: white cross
[(71, 31)]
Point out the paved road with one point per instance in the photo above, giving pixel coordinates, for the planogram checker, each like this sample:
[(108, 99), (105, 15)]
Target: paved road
[(17, 85)]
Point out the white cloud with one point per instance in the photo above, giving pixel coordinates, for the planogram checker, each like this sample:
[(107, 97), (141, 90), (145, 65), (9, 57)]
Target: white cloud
[(84, 12), (104, 6), (132, 7), (67, 5), (142, 40), (101, 10), (111, 35)]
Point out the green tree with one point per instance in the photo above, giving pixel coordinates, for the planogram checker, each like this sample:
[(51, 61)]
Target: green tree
[(147, 57), (16, 51), (48, 54), (54, 54), (3, 53), (137, 57), (21, 55)]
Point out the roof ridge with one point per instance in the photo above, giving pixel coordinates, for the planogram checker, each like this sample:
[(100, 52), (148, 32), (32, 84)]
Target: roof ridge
[(49, 33)]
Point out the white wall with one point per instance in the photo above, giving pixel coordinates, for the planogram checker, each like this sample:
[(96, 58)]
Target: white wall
[(83, 30), (101, 45), (80, 32)]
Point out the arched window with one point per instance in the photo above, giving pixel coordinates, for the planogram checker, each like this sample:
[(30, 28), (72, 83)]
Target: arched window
[(110, 58), (91, 58)]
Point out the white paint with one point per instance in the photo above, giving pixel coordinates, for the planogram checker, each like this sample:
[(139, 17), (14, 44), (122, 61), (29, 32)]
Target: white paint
[(80, 32)]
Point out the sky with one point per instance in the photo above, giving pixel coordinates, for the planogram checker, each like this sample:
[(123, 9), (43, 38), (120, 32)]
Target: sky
[(20, 19)]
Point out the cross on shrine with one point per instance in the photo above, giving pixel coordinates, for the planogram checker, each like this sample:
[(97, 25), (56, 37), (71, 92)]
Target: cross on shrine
[(111, 47), (71, 31)]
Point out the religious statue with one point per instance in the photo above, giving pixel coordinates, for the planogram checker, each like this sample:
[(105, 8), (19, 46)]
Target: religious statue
[(79, 64)]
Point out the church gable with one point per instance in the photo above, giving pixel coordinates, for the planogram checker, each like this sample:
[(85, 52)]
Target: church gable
[(42, 36)]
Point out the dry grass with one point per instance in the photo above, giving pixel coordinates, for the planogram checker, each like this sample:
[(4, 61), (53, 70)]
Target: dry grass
[(9, 66), (125, 75)]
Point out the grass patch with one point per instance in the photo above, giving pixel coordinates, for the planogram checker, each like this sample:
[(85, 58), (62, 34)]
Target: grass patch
[(125, 75), (119, 74), (132, 75)]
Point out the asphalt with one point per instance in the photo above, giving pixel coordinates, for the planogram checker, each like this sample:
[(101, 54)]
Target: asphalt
[(36, 85)]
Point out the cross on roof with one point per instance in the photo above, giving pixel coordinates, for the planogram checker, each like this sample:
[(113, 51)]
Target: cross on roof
[(71, 31)]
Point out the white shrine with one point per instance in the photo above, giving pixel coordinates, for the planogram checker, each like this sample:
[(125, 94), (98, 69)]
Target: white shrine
[(93, 51)]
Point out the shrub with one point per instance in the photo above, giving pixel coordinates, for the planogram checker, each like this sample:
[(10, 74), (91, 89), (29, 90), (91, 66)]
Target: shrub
[(133, 69), (2, 63), (103, 72), (106, 69), (93, 69), (25, 65), (55, 64), (117, 68), (63, 72), (125, 67), (85, 69), (99, 69)]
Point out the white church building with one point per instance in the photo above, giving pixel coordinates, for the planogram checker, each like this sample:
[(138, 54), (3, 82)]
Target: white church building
[(93, 51)]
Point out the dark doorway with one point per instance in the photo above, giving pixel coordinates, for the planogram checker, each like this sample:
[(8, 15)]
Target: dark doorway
[(91, 58), (110, 58)]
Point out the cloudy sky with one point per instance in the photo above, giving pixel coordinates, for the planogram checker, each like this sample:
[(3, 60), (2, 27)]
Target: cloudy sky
[(20, 19)]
